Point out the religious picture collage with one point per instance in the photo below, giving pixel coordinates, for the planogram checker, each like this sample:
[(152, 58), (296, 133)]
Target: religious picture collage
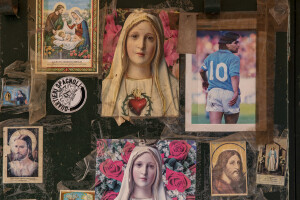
[(141, 104)]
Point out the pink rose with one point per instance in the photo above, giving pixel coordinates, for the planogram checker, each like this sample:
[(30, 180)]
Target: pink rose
[(112, 169), (88, 56), (177, 181), (128, 148), (109, 195), (111, 37), (162, 155), (84, 57), (170, 52), (97, 181), (101, 146), (71, 54), (175, 198), (75, 54), (193, 169), (164, 17), (190, 197), (179, 149)]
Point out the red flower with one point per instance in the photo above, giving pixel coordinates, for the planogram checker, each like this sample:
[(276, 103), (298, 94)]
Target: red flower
[(71, 54), (128, 148), (111, 37), (179, 149), (84, 57), (164, 17), (75, 54), (162, 155), (190, 197), (170, 52), (109, 195), (112, 169), (101, 146), (97, 181), (177, 181), (193, 169), (88, 56), (175, 198)]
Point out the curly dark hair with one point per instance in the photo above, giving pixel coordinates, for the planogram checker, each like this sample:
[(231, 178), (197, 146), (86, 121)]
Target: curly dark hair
[(222, 162)]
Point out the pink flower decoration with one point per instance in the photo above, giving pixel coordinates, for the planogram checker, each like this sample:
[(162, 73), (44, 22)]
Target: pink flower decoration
[(112, 169), (101, 146), (128, 148), (71, 54), (164, 17), (111, 37), (171, 55), (97, 181), (177, 181), (162, 155), (75, 54), (109, 195), (84, 57), (193, 169), (179, 149), (190, 197), (175, 198)]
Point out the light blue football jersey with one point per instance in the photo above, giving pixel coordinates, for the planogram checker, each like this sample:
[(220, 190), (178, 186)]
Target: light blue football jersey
[(221, 66)]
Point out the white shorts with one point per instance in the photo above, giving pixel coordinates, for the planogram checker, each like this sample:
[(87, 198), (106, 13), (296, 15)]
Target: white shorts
[(218, 99)]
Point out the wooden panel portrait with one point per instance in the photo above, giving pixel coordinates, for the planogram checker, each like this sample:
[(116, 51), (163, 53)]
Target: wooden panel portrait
[(140, 64), (23, 155), (66, 40), (228, 168), (134, 169)]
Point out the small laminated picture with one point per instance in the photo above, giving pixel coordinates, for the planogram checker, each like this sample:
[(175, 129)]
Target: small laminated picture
[(223, 76), (228, 168), (152, 169), (15, 95), (23, 154), (76, 194), (272, 163), (69, 40)]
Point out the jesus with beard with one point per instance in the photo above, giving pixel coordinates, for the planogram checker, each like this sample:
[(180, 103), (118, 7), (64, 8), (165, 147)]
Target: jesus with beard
[(227, 174)]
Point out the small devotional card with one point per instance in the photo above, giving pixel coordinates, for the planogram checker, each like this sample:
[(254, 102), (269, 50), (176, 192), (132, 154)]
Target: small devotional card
[(228, 168), (76, 194), (23, 154), (67, 36), (272, 163)]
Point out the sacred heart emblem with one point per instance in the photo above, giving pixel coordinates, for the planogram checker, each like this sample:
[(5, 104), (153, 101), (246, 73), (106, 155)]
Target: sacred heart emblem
[(136, 105)]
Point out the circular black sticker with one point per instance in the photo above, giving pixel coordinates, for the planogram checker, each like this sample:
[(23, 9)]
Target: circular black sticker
[(68, 94)]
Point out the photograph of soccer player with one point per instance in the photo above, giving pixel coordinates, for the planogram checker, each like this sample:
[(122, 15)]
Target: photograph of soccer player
[(222, 74), (223, 69)]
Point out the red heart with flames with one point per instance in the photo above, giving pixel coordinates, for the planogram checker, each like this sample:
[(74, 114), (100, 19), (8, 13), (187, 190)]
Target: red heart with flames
[(136, 105)]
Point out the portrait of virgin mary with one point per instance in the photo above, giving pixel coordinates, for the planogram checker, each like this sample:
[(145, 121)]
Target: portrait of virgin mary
[(139, 83)]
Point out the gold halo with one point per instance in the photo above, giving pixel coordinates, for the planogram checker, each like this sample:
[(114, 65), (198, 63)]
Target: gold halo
[(217, 148), (60, 3), (22, 132)]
